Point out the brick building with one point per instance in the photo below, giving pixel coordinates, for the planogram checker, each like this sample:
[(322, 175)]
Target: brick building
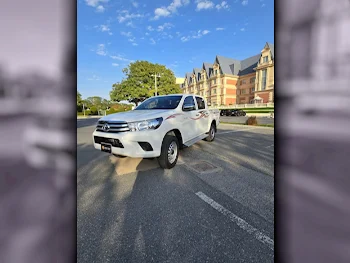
[(229, 81)]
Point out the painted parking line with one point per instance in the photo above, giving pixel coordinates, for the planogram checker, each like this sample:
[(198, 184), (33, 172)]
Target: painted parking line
[(239, 221)]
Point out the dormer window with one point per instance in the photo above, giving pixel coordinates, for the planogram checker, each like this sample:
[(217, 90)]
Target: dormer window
[(265, 59), (216, 71)]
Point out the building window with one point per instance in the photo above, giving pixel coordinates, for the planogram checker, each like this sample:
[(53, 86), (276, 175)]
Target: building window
[(214, 81), (243, 91), (253, 89), (243, 82), (263, 79), (252, 80), (265, 59), (216, 71), (214, 91)]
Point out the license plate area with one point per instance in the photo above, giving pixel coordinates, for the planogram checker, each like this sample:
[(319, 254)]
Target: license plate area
[(106, 147)]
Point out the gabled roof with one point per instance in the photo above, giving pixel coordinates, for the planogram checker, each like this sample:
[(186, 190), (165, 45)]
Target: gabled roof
[(228, 65), (188, 76), (196, 72), (248, 65), (272, 48), (207, 66)]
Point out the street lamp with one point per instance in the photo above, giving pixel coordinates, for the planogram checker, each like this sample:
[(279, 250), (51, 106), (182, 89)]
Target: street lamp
[(155, 81)]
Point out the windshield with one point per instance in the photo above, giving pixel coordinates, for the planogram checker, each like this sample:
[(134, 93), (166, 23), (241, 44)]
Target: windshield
[(160, 103)]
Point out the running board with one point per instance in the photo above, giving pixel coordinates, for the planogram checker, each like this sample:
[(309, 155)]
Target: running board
[(194, 140)]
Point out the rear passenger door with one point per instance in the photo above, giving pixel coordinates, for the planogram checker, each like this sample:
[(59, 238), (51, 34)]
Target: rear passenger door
[(189, 123), (202, 116)]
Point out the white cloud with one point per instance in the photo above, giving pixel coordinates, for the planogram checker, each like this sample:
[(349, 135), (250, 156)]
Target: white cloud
[(121, 58), (234, 33), (220, 28), (147, 34), (127, 34), (242, 29), (195, 35), (223, 5), (115, 64), (104, 28), (124, 15), (150, 28), (244, 2), (95, 3), (134, 44), (178, 33), (202, 5), (170, 9), (130, 24), (100, 9), (135, 4), (131, 39), (101, 50), (162, 11), (185, 39), (165, 26), (263, 5), (94, 77), (152, 41), (174, 6)]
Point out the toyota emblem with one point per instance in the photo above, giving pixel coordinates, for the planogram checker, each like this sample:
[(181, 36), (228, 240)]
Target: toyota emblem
[(105, 127)]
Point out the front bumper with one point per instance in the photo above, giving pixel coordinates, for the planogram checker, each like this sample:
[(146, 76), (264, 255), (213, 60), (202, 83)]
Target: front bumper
[(130, 143)]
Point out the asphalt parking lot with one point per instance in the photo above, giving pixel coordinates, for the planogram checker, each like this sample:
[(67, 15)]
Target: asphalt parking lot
[(234, 119), (215, 205)]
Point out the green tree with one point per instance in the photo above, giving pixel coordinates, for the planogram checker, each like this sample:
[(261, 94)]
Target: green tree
[(139, 82), (95, 101), (79, 99)]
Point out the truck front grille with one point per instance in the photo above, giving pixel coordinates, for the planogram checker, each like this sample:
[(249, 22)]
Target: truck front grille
[(113, 142), (112, 126)]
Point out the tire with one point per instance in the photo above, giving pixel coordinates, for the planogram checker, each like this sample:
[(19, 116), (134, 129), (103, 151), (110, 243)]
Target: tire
[(211, 136), (170, 146)]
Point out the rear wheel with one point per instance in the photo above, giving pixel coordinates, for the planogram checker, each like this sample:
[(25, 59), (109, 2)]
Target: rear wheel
[(169, 152), (211, 135)]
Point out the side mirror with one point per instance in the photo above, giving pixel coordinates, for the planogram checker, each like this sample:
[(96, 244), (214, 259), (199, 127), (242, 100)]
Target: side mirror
[(188, 107)]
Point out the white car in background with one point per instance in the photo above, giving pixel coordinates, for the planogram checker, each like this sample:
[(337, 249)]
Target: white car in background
[(159, 127)]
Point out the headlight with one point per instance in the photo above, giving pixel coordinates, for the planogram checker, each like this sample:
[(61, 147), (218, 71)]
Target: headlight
[(145, 125)]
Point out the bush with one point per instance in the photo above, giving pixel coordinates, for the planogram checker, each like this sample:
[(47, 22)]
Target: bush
[(93, 111), (251, 121)]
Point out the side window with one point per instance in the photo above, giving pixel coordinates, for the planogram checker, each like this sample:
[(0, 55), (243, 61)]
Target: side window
[(200, 103), (189, 101)]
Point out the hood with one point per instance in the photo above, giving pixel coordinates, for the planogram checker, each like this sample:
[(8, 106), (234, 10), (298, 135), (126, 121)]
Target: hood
[(137, 115)]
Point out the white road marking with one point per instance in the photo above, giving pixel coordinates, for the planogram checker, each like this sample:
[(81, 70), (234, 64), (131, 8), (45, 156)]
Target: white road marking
[(239, 221), (233, 131)]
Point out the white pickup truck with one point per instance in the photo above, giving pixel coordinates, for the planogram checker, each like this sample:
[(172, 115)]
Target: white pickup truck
[(158, 127)]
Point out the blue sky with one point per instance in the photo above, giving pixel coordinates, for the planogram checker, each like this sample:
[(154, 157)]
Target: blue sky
[(180, 34)]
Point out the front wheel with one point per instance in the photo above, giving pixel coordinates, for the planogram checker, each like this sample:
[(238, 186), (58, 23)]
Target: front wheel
[(169, 152), (211, 135)]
